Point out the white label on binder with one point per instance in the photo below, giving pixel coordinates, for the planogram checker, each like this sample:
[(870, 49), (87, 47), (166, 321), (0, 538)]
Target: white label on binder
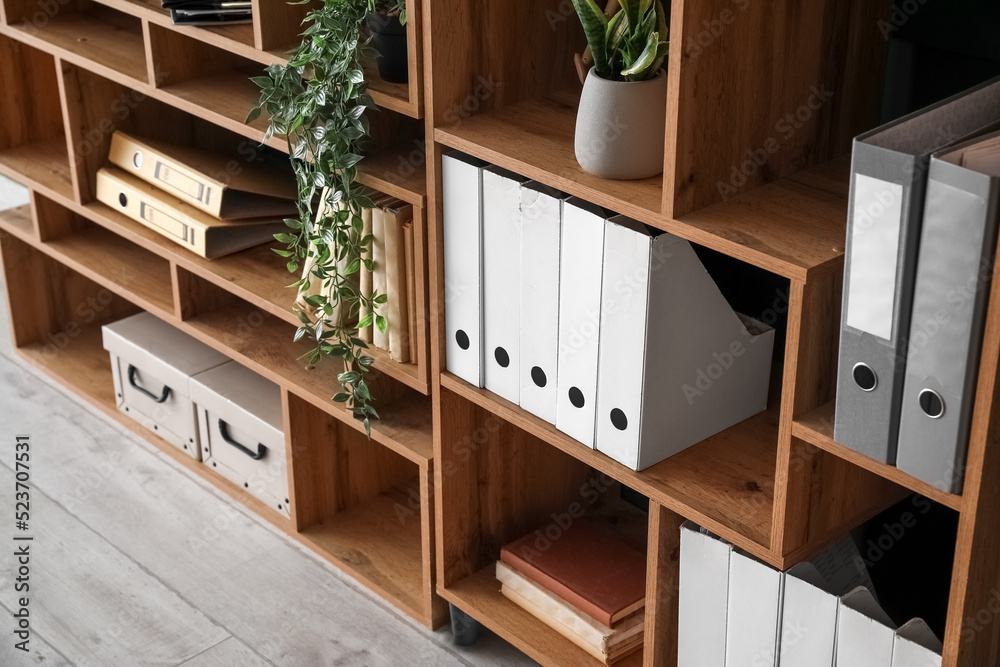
[(871, 295)]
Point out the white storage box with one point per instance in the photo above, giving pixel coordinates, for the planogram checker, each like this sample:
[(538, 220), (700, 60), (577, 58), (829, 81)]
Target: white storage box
[(152, 363), (242, 436)]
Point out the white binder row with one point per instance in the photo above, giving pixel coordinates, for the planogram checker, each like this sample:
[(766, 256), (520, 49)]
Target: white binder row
[(737, 612), (610, 330)]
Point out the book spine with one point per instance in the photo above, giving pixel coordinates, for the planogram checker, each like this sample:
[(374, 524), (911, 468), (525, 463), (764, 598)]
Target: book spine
[(365, 278), (411, 290)]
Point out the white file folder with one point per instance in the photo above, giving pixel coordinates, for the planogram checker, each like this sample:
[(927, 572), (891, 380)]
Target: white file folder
[(501, 276), (808, 619), (755, 592), (864, 631), (916, 645), (677, 364), (463, 268), (541, 219), (704, 599), (579, 318)]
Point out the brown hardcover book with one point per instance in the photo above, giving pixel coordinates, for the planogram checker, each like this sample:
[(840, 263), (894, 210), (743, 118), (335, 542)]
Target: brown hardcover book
[(588, 566)]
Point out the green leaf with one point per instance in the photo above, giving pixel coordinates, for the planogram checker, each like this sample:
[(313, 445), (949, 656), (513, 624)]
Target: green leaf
[(381, 323), (341, 398), (366, 321), (595, 27), (253, 115), (349, 377), (293, 266), (645, 59)]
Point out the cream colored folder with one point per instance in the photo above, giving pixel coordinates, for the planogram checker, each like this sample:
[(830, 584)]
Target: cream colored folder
[(397, 311), (225, 186), (182, 224)]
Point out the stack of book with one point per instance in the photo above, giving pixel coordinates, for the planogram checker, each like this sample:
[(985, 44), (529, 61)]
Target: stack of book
[(587, 584), (207, 202), (393, 274), (209, 12)]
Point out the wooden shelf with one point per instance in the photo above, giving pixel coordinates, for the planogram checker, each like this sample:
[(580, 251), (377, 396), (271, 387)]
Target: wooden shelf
[(726, 483), (816, 428), (237, 38), (43, 166), (256, 275), (405, 425), (535, 139), (140, 276), (101, 35), (479, 596), (372, 544), (17, 221), (794, 227)]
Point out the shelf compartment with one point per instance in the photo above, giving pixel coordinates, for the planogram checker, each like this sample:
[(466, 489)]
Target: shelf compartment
[(57, 316), (265, 344), (363, 507), (496, 483), (725, 483), (535, 138), (210, 80), (237, 38), (816, 428), (102, 256), (33, 147), (111, 39)]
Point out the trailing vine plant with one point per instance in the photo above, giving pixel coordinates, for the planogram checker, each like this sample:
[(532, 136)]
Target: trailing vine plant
[(318, 102)]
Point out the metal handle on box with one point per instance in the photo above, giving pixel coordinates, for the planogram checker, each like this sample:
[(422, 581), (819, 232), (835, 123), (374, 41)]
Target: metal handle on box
[(135, 385), (256, 456)]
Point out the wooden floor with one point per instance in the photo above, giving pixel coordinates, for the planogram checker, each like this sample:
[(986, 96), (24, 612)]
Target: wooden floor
[(136, 563)]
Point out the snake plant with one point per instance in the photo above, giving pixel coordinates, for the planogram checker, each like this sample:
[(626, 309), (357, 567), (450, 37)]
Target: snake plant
[(630, 45)]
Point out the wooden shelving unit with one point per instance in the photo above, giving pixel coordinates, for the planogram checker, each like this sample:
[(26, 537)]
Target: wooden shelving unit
[(453, 472), (73, 264)]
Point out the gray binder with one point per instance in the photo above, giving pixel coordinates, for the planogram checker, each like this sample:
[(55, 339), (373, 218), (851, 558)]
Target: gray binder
[(888, 183), (954, 267)]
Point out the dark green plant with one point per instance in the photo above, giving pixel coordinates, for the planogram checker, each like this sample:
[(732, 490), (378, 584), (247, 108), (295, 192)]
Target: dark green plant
[(318, 102), (629, 46)]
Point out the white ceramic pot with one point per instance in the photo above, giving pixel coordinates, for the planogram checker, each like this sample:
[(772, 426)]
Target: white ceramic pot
[(621, 126)]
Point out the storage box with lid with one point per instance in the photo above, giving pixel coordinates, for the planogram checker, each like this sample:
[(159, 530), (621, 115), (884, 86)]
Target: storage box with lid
[(152, 363), (242, 431)]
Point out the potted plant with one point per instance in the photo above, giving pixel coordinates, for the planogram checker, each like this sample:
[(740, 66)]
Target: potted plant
[(386, 21), (621, 123), (318, 101)]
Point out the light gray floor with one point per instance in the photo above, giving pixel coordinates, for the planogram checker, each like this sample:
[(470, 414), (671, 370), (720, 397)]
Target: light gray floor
[(135, 562)]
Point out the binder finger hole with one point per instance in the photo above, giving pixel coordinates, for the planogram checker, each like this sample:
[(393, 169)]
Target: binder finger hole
[(538, 377), (576, 397), (122, 199), (137, 159), (865, 377), (462, 339), (619, 420), (502, 357), (931, 403)]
